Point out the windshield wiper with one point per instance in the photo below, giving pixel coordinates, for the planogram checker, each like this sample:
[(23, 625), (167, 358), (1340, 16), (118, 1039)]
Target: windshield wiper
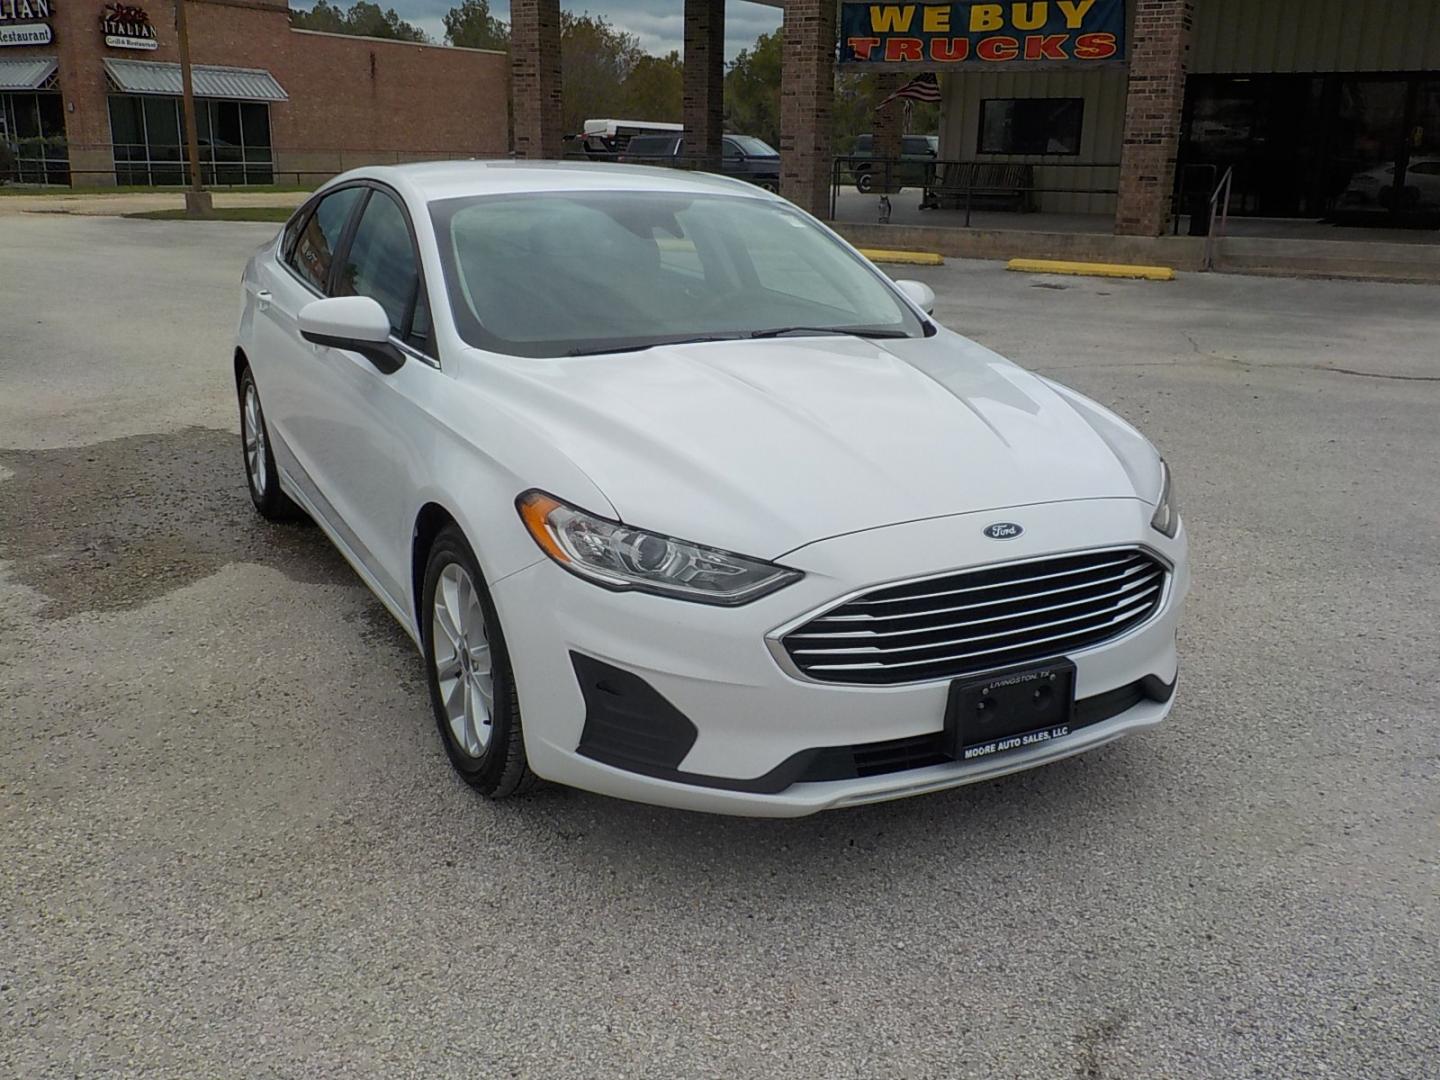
[(861, 332), (653, 344)]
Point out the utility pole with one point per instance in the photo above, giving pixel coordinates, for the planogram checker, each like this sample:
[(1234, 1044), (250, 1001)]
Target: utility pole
[(197, 200)]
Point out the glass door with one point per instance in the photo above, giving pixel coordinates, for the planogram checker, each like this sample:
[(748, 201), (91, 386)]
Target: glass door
[(1264, 128)]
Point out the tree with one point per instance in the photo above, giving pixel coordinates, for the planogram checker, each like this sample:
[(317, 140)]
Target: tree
[(323, 16), (654, 89), (595, 59), (752, 90), (472, 26), (364, 19)]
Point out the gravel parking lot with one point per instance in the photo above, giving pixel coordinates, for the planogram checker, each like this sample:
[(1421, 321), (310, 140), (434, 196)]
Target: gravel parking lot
[(232, 846)]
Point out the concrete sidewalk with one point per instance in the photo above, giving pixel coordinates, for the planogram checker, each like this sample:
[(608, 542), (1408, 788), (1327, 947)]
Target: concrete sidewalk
[(136, 202)]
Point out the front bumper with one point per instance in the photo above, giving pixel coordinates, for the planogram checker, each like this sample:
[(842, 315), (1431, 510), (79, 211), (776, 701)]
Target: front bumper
[(749, 716)]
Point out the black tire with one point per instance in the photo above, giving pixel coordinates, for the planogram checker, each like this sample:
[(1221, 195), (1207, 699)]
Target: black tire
[(501, 769), (864, 182), (272, 503)]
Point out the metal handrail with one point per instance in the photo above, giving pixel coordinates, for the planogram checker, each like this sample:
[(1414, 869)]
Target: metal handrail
[(1219, 210)]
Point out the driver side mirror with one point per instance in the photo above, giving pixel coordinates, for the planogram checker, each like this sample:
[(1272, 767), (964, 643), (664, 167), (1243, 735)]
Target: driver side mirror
[(920, 294), (356, 323)]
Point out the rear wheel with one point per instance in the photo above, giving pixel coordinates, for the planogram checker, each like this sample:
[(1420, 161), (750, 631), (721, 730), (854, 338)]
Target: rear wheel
[(472, 689), (261, 475), (864, 182)]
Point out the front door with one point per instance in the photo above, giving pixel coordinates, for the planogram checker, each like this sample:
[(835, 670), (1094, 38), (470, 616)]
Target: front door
[(333, 441)]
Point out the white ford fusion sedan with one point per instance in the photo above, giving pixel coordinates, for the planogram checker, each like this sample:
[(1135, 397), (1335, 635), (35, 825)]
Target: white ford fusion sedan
[(683, 501)]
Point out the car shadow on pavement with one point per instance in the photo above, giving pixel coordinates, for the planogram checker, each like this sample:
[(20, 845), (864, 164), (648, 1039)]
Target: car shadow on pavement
[(116, 524), (1070, 806)]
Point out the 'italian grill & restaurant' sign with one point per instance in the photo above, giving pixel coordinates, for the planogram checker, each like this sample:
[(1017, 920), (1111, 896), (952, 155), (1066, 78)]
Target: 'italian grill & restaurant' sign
[(972, 33)]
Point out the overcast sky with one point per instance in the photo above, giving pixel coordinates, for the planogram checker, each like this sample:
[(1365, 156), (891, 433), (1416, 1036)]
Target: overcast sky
[(659, 24)]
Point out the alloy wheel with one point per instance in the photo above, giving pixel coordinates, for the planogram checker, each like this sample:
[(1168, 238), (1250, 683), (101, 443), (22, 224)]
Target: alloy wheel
[(254, 439), (461, 643)]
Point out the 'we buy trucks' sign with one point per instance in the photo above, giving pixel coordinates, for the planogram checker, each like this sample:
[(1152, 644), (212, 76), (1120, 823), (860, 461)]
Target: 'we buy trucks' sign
[(971, 33)]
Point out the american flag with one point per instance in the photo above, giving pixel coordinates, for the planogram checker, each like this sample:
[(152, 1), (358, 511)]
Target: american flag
[(925, 87)]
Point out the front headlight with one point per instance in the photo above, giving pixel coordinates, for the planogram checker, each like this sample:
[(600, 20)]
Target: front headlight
[(1167, 512), (619, 556)]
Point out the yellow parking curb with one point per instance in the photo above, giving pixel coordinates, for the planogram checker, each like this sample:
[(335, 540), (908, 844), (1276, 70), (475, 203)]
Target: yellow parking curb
[(910, 258), (1114, 270)]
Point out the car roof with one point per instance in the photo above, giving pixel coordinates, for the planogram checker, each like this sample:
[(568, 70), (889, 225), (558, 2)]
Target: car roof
[(432, 180)]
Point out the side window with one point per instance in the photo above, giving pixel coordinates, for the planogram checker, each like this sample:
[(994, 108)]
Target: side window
[(382, 265), (315, 249), (732, 152)]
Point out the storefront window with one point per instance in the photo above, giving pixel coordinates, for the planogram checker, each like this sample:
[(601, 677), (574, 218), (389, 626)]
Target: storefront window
[(32, 131), (1031, 125), (1353, 148), (234, 139)]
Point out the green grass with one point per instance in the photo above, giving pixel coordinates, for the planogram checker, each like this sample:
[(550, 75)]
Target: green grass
[(132, 189), (222, 213)]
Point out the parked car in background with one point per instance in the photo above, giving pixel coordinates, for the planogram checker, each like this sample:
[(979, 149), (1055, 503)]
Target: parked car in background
[(743, 156), (682, 500), (917, 154), (1376, 187)]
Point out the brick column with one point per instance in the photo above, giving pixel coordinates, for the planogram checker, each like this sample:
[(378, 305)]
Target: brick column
[(535, 77), (888, 126), (704, 101), (83, 87), (1159, 52), (807, 99)]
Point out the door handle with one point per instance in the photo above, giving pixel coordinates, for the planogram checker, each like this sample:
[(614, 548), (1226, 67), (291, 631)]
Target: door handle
[(262, 299)]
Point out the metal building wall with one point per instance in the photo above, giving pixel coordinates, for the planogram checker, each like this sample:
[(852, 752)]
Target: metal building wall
[(1103, 91), (1231, 36), (1104, 94), (1248, 37)]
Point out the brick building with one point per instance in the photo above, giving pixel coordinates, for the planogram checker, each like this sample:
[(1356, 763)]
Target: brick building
[(90, 92)]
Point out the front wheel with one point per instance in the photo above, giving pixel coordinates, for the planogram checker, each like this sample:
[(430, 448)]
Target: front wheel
[(472, 689), (864, 182)]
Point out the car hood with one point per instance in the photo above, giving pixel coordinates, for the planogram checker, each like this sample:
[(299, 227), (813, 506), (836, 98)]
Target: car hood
[(764, 446)]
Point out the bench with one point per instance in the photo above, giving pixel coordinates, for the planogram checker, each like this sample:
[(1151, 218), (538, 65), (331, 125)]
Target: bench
[(989, 184)]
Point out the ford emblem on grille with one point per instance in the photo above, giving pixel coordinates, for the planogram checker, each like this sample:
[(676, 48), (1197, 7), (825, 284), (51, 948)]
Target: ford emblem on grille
[(1003, 530)]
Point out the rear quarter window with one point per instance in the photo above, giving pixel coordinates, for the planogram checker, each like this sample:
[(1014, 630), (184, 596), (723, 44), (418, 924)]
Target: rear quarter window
[(314, 250)]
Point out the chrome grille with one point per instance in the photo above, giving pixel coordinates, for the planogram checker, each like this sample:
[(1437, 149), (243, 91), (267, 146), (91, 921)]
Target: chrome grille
[(980, 620)]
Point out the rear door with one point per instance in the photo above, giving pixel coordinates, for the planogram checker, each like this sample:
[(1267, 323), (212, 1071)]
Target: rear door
[(284, 363)]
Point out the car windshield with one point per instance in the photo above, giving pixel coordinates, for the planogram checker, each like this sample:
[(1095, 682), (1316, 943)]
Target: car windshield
[(564, 273), (753, 146)]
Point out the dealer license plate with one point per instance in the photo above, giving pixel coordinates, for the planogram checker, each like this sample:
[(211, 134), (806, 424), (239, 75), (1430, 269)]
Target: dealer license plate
[(1010, 710)]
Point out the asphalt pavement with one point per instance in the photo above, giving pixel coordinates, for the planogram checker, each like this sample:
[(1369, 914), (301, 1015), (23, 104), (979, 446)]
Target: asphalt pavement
[(230, 845)]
